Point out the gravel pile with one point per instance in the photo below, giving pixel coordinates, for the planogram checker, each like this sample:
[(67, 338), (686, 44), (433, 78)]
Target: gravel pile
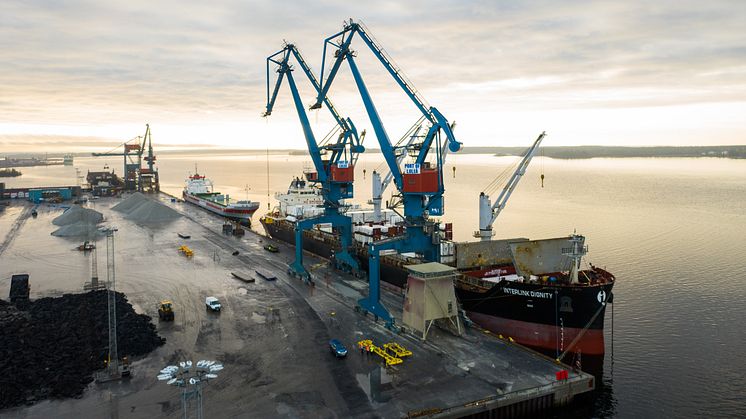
[(78, 230), (130, 203), (139, 208), (52, 349), (77, 221), (78, 214)]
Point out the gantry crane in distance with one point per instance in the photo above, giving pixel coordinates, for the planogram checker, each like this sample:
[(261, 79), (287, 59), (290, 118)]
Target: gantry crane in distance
[(419, 183), (137, 177), (333, 160), (488, 212)]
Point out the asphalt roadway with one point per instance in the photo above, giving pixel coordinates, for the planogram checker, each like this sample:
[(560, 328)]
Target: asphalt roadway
[(271, 335)]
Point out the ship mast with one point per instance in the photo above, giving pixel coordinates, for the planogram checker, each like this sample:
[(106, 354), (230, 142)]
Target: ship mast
[(575, 252)]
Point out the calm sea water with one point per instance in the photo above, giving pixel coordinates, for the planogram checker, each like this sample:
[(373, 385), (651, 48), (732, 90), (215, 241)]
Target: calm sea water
[(673, 231)]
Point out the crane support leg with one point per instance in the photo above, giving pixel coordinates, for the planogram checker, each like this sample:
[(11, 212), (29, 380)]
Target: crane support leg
[(343, 259), (296, 268), (372, 303), (418, 239)]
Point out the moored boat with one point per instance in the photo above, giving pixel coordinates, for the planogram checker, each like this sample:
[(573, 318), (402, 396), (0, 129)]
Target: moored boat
[(199, 191)]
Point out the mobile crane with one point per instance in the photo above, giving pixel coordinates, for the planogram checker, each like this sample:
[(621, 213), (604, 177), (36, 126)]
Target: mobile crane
[(334, 162)]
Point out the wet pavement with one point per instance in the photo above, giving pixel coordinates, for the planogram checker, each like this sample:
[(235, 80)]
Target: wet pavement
[(271, 336)]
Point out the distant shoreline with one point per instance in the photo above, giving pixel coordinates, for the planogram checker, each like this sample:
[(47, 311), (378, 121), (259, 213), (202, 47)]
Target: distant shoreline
[(567, 152), (589, 152)]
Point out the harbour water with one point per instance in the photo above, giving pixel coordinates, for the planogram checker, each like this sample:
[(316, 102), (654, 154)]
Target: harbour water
[(672, 230)]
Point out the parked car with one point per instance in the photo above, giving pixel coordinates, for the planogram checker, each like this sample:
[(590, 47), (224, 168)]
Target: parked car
[(212, 304), (271, 248), (337, 348)]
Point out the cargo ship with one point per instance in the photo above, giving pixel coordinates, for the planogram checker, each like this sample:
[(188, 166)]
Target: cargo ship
[(533, 291), (199, 191)]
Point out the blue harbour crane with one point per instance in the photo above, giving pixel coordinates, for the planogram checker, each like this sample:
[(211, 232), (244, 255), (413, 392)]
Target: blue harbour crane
[(420, 182), (333, 160)]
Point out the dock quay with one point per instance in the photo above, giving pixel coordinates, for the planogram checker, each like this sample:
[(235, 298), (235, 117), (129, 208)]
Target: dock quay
[(273, 336)]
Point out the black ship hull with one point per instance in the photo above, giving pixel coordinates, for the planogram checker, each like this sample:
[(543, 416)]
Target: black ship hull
[(551, 318)]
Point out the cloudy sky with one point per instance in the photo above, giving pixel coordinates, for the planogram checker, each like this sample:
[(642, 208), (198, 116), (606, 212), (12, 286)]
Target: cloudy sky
[(77, 74)]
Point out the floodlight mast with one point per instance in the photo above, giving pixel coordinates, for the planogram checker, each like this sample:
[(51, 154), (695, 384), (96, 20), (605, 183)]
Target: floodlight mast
[(188, 374), (111, 285)]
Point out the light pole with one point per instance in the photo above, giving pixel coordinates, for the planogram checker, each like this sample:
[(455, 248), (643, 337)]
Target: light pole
[(114, 370), (190, 377)]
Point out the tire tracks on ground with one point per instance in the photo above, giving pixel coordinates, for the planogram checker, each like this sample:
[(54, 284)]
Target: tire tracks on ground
[(17, 225)]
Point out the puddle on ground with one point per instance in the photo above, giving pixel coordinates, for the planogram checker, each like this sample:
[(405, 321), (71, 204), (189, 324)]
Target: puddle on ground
[(375, 384)]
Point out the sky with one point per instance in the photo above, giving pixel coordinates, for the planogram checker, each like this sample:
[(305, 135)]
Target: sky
[(89, 74)]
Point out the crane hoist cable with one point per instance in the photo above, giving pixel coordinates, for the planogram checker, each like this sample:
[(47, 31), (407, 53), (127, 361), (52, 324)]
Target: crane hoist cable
[(503, 176), (542, 167), (411, 131)]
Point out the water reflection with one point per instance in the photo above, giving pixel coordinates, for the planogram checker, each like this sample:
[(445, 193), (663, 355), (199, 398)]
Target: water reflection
[(376, 383)]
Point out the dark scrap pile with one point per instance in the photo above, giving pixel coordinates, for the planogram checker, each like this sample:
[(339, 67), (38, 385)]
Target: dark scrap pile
[(51, 349)]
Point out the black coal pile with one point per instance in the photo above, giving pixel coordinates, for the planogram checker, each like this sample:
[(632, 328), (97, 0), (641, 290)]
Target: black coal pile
[(52, 349)]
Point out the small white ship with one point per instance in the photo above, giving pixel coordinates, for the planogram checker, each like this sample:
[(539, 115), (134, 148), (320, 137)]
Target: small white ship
[(199, 191)]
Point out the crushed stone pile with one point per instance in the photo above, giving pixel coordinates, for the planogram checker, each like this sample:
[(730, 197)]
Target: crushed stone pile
[(130, 203), (139, 208), (78, 230), (52, 349), (77, 221), (78, 214)]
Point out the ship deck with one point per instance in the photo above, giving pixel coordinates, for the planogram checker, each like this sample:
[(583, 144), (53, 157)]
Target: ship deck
[(273, 336)]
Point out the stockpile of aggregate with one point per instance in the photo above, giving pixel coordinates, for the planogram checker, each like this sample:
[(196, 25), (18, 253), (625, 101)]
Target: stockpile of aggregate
[(78, 214), (77, 221), (52, 349), (139, 208)]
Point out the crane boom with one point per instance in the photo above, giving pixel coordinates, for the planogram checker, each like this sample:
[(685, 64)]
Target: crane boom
[(438, 122), (488, 212)]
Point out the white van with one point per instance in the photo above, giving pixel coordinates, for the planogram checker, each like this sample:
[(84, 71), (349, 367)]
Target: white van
[(212, 303)]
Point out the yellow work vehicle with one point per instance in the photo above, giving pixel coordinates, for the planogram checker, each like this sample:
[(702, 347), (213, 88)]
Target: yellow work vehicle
[(186, 251), (166, 310)]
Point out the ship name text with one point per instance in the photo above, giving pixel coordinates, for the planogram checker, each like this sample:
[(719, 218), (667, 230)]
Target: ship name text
[(527, 293)]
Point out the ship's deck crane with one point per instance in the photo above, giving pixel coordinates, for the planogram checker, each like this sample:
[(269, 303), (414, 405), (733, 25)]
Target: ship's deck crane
[(420, 184), (488, 212), (334, 162), (136, 177)]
